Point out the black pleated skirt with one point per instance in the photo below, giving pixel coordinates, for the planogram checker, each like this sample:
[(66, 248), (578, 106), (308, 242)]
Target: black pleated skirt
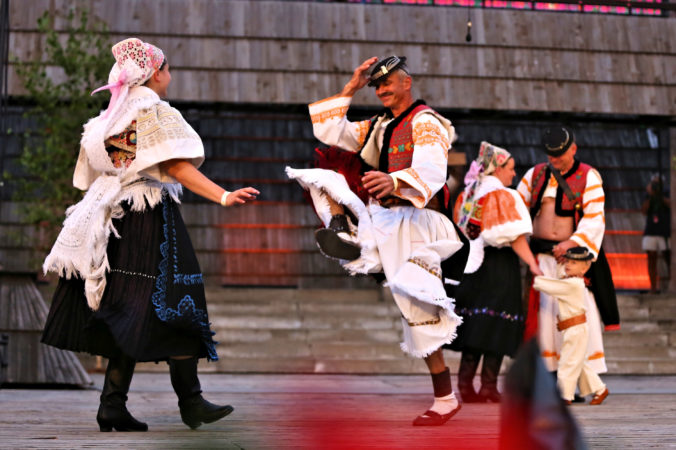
[(153, 306), (489, 302)]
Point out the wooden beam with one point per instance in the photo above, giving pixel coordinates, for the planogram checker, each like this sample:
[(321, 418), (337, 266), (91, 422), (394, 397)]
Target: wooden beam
[(672, 195)]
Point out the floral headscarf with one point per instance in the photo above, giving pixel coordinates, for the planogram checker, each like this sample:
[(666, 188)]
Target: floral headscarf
[(135, 63), (146, 57), (490, 158)]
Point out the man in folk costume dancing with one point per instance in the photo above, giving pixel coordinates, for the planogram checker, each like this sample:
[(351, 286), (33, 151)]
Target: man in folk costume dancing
[(401, 230), (137, 295), (566, 201)]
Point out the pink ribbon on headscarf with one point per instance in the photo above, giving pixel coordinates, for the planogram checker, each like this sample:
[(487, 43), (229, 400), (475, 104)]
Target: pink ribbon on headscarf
[(473, 173), (114, 89)]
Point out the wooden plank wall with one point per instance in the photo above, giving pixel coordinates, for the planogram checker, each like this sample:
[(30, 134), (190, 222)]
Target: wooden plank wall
[(282, 55), (297, 52)]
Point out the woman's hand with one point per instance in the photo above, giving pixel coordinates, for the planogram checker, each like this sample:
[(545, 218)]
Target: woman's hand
[(241, 196)]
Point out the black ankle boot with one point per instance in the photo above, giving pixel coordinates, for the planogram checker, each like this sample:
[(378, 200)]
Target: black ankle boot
[(468, 364), (113, 411), (194, 409), (489, 378), (332, 244)]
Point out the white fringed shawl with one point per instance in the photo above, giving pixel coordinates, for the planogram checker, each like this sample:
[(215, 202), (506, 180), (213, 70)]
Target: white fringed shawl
[(162, 134)]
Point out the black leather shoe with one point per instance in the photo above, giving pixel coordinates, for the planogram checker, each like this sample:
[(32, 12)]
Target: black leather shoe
[(578, 399), (195, 411), (434, 419), (490, 395), (332, 244), (469, 361), (489, 378), (469, 396)]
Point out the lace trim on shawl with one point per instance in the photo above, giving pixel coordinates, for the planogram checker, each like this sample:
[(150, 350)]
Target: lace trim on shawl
[(81, 247), (186, 310), (97, 129)]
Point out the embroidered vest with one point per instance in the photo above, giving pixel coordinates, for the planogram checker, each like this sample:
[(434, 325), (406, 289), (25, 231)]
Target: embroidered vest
[(398, 140), (122, 147), (472, 223), (576, 178)]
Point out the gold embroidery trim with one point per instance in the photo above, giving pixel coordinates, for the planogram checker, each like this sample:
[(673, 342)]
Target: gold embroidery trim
[(426, 133), (548, 354), (587, 241), (589, 188), (419, 262), (594, 200), (525, 181), (523, 197), (597, 355), (327, 99), (330, 114), (589, 216), (362, 131), (427, 322), (499, 208), (411, 171)]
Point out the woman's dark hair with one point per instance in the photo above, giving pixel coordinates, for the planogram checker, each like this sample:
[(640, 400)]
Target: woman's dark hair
[(164, 63)]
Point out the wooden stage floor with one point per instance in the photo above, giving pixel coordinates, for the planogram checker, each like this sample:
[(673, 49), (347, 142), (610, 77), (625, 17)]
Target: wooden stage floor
[(319, 412)]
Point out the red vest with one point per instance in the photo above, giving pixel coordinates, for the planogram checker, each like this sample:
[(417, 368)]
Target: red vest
[(400, 144), (576, 178), (397, 150), (398, 139)]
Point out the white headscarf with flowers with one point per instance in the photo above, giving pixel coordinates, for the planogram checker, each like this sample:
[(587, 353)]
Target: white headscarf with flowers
[(490, 158), (135, 63)]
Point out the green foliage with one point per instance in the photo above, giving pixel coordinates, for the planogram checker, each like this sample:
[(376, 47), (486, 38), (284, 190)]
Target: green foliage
[(75, 61)]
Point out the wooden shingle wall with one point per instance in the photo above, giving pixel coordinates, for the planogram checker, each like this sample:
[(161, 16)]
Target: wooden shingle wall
[(23, 317), (243, 71), (297, 52)]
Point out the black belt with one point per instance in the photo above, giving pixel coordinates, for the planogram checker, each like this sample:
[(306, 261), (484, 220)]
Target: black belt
[(538, 245)]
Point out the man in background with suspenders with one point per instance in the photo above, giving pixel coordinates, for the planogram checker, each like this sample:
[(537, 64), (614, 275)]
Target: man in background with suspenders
[(566, 200)]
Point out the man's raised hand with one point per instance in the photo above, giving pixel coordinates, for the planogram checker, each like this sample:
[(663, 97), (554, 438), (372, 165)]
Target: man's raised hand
[(359, 78)]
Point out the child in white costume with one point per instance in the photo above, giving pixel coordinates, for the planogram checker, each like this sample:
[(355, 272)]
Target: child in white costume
[(572, 323)]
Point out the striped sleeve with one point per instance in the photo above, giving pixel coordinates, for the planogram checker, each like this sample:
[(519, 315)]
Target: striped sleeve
[(592, 226), (525, 187), (330, 124)]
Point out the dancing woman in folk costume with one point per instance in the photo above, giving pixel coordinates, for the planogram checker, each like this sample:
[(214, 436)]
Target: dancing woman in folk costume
[(130, 286), (489, 297)]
